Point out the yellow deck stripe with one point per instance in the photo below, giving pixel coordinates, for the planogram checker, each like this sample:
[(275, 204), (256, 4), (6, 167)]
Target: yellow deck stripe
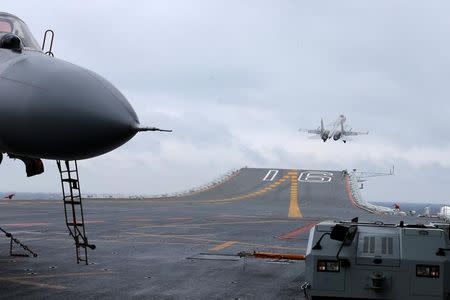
[(261, 191), (294, 210), (223, 246)]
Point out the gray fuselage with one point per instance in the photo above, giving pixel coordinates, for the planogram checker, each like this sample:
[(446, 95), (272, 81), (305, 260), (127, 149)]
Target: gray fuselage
[(53, 109)]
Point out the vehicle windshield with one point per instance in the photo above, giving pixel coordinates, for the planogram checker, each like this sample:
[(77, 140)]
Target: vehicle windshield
[(12, 24)]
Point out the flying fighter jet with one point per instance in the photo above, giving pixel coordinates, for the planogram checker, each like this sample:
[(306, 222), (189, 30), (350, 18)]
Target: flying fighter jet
[(336, 131)]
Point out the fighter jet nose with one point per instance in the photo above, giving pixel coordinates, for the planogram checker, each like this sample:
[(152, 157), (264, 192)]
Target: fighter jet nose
[(72, 113)]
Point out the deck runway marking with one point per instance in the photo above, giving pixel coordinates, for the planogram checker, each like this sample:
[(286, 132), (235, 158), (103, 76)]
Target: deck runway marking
[(219, 241), (124, 241), (134, 235), (261, 191), (237, 216), (216, 223), (172, 226), (270, 176), (223, 246), (294, 209), (203, 235), (30, 280), (296, 232), (25, 224), (34, 284), (241, 197), (61, 275), (135, 220), (315, 177)]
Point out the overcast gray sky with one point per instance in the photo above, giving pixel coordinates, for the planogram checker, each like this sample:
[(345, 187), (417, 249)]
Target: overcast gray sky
[(236, 79)]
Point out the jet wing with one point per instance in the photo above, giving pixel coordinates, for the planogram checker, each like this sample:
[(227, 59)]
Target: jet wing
[(311, 131), (354, 133)]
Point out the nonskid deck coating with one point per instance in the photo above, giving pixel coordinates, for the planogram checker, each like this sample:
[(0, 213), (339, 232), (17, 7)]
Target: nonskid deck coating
[(148, 249)]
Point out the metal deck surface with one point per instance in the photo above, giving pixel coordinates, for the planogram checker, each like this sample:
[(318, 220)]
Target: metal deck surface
[(177, 247)]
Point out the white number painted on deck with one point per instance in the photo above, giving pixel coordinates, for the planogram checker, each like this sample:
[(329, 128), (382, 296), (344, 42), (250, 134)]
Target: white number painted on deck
[(270, 176), (315, 176)]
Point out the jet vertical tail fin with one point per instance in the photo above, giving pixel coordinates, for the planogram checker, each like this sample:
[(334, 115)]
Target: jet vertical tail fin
[(322, 128)]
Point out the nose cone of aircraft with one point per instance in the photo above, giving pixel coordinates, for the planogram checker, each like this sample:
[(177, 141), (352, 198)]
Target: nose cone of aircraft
[(64, 111)]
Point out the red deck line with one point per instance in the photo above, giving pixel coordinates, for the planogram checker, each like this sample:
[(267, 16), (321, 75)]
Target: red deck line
[(25, 224), (296, 232)]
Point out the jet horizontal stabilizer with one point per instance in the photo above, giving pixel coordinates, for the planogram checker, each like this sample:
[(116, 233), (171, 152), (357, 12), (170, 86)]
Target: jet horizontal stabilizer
[(153, 129), (33, 166)]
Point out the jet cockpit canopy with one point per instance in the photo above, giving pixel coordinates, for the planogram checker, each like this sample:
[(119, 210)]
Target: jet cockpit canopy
[(12, 24)]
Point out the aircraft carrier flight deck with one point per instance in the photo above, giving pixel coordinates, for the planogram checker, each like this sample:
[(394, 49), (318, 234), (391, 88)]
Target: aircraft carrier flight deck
[(179, 247)]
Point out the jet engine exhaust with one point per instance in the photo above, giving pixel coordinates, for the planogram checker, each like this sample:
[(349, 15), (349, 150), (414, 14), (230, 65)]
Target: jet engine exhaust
[(337, 136), (325, 136)]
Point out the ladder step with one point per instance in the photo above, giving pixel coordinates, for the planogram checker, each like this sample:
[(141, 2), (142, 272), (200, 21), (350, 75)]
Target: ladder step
[(74, 197), (70, 180), (85, 245), (75, 224), (73, 202)]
